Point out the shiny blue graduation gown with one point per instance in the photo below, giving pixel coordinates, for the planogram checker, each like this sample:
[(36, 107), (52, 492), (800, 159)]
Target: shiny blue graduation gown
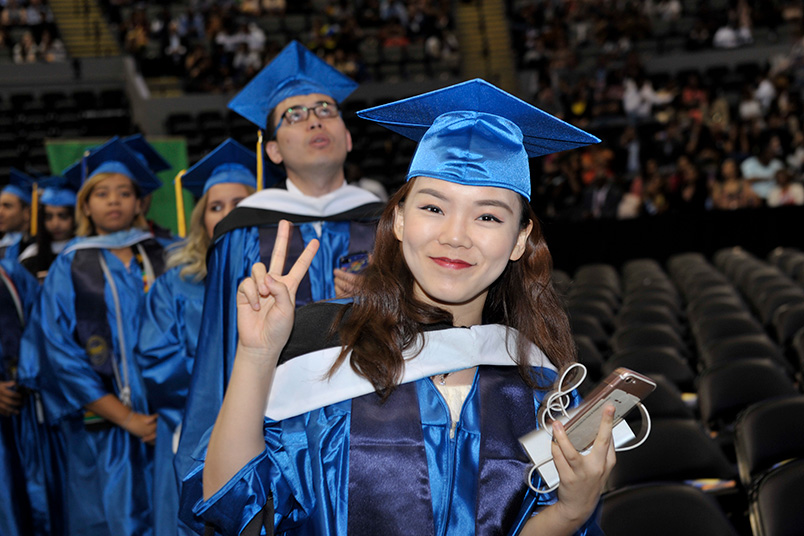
[(229, 262), (16, 517), (166, 350), (43, 460), (305, 465), (108, 473)]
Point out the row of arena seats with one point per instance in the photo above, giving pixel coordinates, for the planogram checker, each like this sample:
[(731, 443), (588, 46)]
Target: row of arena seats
[(719, 339), (26, 119)]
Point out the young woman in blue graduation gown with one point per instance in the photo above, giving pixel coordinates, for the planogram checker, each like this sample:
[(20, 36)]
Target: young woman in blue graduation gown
[(172, 318), (90, 382), (404, 418), (18, 292)]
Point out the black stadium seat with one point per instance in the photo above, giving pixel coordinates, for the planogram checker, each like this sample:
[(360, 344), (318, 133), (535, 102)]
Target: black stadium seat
[(768, 433), (776, 502), (725, 391), (676, 450), (663, 509)]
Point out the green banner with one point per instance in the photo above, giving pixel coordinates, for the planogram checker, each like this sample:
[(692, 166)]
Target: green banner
[(63, 153)]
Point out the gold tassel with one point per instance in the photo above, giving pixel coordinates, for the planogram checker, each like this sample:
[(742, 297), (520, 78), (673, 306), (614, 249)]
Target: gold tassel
[(34, 210), (180, 205), (259, 160)]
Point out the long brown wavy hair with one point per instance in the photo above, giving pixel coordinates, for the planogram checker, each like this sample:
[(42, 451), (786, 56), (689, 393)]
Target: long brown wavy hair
[(386, 318)]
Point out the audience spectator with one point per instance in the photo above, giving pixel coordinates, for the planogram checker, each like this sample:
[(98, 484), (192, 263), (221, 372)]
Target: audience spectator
[(220, 26), (602, 198), (51, 49), (692, 194), (760, 170), (28, 33), (785, 191), (26, 51), (731, 191)]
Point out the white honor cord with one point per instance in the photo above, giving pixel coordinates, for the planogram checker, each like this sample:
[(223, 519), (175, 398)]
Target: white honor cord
[(123, 385)]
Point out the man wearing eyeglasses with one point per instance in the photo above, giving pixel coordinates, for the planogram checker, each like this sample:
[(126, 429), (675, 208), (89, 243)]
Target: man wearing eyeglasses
[(311, 140), (294, 101)]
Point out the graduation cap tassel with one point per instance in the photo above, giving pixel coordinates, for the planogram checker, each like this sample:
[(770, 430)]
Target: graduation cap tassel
[(84, 166), (182, 223), (259, 161), (34, 209)]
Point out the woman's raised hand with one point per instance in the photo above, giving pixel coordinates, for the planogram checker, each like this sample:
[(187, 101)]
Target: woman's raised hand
[(266, 301)]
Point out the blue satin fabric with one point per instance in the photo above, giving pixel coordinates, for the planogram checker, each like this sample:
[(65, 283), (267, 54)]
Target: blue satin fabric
[(474, 149), (306, 464), (334, 244), (388, 466), (167, 345), (108, 473), (43, 457), (229, 262), (16, 515)]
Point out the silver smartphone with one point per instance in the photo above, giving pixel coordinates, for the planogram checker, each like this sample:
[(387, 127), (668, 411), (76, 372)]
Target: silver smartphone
[(623, 389)]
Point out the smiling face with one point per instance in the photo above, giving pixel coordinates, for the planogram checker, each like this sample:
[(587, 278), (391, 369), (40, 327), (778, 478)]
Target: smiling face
[(113, 204), (59, 222), (457, 240), (310, 145), (221, 199)]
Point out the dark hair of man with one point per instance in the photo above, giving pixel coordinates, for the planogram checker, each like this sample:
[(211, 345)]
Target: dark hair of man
[(270, 127), (386, 318)]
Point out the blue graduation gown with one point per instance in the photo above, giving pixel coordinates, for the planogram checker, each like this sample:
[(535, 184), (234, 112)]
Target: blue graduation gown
[(16, 516), (336, 220), (108, 473), (305, 465), (43, 460), (11, 246), (166, 349), (338, 462)]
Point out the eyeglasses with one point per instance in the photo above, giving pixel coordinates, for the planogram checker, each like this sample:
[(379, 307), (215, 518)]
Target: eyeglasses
[(297, 114)]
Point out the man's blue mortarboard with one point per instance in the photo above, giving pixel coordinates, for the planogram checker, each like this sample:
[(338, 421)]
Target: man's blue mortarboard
[(476, 134), (139, 145), (228, 162), (113, 157), (20, 185), (294, 71), (57, 191)]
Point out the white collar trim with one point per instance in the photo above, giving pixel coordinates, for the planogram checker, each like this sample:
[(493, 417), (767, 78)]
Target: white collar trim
[(300, 385), (293, 201)]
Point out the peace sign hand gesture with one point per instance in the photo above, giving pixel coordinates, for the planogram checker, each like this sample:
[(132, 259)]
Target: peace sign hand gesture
[(266, 301)]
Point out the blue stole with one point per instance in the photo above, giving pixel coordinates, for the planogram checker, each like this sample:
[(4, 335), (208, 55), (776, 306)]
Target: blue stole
[(389, 489), (91, 324), (337, 238)]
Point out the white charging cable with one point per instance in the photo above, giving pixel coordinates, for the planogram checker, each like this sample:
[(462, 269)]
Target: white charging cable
[(555, 405)]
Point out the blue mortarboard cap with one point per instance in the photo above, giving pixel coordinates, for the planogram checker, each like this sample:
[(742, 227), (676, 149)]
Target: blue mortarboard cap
[(57, 191), (20, 185), (113, 157), (228, 162), (294, 71), (476, 134), (138, 144)]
